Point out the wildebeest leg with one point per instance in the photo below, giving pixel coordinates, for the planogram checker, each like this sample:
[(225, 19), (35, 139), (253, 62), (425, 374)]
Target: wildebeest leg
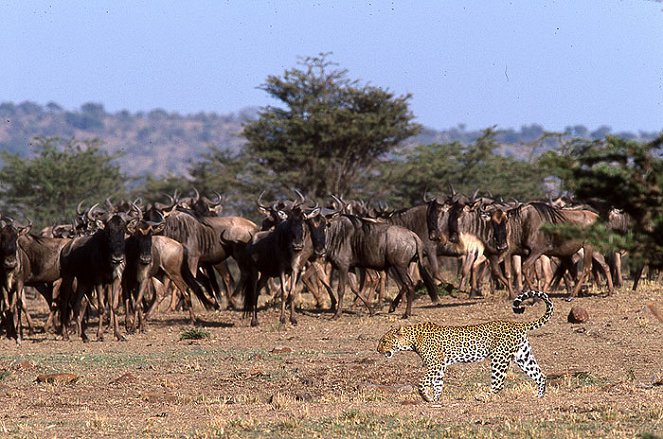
[(404, 280), (342, 282), (28, 319), (210, 282), (528, 268), (257, 282), (284, 295), (382, 287), (475, 286), (226, 277), (16, 307), (101, 310), (291, 295), (80, 309), (637, 274), (600, 260), (586, 271), (496, 271), (158, 296), (64, 304), (515, 264), (113, 305), (616, 270), (310, 281), (367, 289), (324, 275), (181, 285), (138, 305)]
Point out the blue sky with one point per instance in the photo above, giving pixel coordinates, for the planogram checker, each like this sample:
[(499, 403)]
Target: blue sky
[(478, 63)]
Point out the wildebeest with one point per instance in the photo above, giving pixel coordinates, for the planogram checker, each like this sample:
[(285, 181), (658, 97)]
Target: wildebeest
[(95, 261), (13, 272), (201, 235), (359, 242), (150, 255), (282, 252), (524, 236), (414, 218)]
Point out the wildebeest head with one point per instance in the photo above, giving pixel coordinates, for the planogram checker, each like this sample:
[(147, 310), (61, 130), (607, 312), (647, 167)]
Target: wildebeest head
[(8, 245), (114, 234), (142, 229), (295, 229), (498, 220), (437, 215), (459, 204), (317, 225)]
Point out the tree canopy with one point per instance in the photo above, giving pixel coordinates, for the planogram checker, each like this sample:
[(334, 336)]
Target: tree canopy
[(622, 174), (330, 131), (48, 186)]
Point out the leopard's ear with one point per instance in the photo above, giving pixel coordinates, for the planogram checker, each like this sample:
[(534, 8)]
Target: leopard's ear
[(401, 330)]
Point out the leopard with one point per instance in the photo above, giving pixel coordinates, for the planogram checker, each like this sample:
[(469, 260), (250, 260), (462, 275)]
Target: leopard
[(441, 346)]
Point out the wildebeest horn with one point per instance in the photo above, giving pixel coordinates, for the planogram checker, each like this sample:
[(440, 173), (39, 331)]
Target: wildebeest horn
[(109, 204), (156, 223), (301, 201), (197, 197), (259, 201), (89, 212), (79, 208), (218, 200), (135, 208), (453, 191), (474, 195), (341, 203)]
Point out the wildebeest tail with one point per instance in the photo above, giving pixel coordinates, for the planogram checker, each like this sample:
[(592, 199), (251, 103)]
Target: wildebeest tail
[(518, 309), (425, 275)]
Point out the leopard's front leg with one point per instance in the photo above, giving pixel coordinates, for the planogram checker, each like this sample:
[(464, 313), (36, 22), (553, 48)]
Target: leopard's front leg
[(430, 387)]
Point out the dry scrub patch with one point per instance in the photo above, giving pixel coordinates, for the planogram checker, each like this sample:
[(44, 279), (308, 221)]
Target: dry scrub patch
[(324, 378)]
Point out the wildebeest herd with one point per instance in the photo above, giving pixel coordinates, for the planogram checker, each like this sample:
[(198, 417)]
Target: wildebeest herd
[(132, 254)]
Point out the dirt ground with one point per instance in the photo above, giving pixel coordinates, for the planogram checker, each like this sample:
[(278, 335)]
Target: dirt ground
[(324, 378)]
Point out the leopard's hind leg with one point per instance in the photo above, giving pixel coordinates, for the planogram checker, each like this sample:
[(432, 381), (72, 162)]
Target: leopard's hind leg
[(524, 358), (498, 366)]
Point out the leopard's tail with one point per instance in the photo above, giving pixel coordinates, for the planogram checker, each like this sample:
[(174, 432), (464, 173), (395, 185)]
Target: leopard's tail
[(518, 309)]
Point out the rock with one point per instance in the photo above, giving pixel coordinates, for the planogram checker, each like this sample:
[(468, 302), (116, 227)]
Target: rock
[(657, 311), (125, 378), (25, 365), (578, 314), (281, 350), (304, 396), (58, 378), (307, 381)]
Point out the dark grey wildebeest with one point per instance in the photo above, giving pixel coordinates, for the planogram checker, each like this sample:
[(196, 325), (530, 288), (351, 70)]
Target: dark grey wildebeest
[(364, 243), (282, 252)]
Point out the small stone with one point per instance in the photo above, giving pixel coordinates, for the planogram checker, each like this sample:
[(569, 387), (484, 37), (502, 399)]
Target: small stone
[(58, 378), (578, 314)]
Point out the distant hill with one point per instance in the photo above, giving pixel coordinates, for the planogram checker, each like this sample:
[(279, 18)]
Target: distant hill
[(156, 142), (161, 143)]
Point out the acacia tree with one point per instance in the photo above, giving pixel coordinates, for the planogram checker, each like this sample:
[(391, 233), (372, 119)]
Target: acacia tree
[(47, 187), (329, 132)]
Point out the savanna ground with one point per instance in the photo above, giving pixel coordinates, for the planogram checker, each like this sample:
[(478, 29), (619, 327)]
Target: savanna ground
[(323, 378)]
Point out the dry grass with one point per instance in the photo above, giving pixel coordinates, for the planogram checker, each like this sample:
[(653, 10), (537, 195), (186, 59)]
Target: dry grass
[(323, 378)]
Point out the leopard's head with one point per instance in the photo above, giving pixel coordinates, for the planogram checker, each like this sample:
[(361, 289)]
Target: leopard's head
[(395, 340)]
